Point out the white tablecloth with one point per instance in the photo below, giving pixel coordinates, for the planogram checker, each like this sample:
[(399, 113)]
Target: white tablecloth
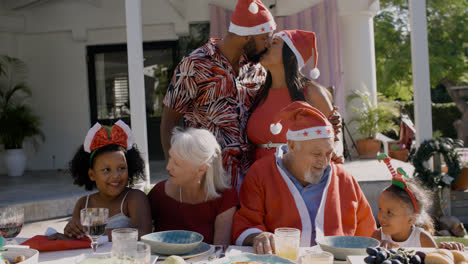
[(73, 256), (77, 255)]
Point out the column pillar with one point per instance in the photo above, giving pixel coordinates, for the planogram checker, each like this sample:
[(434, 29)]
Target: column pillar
[(357, 57), (136, 79), (420, 67)]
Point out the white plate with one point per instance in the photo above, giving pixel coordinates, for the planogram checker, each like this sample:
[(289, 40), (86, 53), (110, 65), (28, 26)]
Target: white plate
[(32, 255), (203, 248)]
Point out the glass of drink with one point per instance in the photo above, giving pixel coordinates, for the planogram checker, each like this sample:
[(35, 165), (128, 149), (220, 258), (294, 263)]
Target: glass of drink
[(11, 221), (124, 242), (316, 257), (143, 253), (287, 242), (94, 221)]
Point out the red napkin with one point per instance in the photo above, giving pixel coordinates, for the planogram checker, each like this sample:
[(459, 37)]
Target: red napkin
[(41, 243)]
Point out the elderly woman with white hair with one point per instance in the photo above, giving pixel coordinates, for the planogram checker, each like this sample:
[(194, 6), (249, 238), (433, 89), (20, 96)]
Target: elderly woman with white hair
[(197, 196)]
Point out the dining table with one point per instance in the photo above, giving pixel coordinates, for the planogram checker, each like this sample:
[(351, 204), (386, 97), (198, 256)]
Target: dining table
[(215, 252)]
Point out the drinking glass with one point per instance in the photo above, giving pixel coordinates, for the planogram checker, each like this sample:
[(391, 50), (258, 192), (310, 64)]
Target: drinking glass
[(287, 242), (316, 257), (143, 253), (124, 242), (11, 221), (94, 221)]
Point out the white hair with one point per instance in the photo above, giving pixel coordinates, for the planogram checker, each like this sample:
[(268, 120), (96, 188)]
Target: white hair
[(200, 147)]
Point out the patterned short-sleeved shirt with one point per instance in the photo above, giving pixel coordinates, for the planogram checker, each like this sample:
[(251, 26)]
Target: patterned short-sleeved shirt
[(206, 91)]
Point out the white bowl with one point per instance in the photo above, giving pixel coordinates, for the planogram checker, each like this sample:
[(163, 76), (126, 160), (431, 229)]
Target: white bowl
[(32, 255), (174, 242), (343, 246)]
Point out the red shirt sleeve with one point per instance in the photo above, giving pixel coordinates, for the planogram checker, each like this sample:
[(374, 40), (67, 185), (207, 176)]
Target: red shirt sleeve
[(228, 200)]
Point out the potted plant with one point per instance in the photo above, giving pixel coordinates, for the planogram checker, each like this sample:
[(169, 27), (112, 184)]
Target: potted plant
[(398, 151), (372, 119), (461, 183), (17, 119)]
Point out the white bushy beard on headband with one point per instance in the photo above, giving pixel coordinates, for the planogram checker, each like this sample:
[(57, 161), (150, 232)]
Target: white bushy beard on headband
[(313, 177)]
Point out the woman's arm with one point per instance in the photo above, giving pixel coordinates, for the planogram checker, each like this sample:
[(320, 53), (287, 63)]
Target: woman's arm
[(223, 227), (317, 96), (139, 212)]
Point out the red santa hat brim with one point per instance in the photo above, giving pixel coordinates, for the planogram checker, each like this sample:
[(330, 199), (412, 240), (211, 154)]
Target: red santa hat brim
[(307, 122)]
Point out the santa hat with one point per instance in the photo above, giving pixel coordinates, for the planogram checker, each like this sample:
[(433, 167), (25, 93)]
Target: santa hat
[(251, 17), (304, 45), (306, 122)]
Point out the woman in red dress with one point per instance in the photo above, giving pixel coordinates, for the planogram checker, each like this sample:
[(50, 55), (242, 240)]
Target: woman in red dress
[(285, 84), (197, 196)]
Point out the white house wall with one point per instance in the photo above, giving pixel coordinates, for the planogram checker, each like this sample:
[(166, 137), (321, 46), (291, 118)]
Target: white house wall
[(54, 48)]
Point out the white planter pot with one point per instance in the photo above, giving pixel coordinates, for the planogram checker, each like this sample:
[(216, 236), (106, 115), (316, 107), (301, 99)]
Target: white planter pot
[(15, 161)]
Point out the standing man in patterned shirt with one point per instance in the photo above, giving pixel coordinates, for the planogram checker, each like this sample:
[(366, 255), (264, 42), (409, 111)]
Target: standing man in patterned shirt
[(214, 86)]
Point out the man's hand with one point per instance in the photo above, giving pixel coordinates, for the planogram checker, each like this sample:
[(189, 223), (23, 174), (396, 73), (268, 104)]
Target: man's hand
[(337, 159), (264, 243), (452, 246), (74, 229), (335, 120)]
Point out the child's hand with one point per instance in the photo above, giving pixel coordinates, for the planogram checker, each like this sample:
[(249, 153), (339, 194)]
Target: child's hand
[(59, 236), (74, 229), (388, 244), (451, 246)]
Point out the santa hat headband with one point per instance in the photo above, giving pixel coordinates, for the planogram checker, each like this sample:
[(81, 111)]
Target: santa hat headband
[(304, 46), (251, 17), (306, 122), (97, 137)]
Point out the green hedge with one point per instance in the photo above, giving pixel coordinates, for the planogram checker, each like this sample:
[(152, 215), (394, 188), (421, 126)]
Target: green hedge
[(443, 116)]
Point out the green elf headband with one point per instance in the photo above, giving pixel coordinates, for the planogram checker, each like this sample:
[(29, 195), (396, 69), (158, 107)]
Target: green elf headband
[(397, 179)]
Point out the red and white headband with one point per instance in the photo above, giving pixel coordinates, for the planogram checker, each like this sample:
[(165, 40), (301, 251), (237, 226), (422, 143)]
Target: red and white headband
[(97, 137)]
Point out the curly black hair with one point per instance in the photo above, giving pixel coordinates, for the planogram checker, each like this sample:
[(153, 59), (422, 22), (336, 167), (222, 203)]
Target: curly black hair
[(81, 163), (423, 198)]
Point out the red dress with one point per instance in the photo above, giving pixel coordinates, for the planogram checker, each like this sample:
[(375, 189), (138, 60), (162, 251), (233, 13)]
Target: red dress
[(258, 126), (170, 214)]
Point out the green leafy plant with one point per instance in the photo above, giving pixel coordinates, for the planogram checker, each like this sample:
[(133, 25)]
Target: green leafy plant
[(17, 119), (372, 118)]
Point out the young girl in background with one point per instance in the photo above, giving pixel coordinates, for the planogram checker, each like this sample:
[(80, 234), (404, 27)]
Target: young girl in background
[(111, 165), (403, 213)]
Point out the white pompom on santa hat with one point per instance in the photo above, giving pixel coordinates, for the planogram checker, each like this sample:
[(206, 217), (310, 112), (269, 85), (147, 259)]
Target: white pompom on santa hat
[(251, 17), (304, 45), (305, 122)]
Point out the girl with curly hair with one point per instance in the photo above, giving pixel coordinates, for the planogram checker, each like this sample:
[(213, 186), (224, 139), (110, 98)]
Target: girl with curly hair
[(110, 165)]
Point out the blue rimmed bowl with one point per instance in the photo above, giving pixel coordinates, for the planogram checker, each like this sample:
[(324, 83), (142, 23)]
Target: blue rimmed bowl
[(174, 242), (343, 246)]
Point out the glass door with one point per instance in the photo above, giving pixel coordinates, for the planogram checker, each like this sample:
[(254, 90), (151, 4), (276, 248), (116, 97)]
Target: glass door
[(109, 89)]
